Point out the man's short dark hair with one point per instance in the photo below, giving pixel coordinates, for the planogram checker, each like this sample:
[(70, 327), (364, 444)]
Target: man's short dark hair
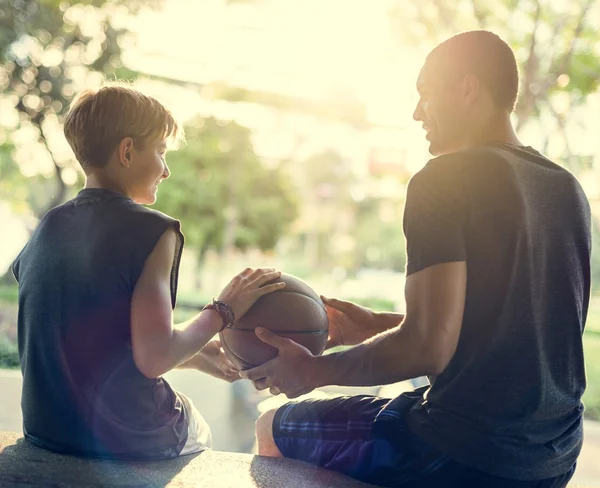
[(485, 55)]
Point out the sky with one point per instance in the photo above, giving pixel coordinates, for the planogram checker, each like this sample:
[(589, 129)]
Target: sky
[(302, 48)]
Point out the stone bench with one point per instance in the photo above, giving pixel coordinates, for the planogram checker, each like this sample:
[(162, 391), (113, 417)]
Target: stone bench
[(24, 465)]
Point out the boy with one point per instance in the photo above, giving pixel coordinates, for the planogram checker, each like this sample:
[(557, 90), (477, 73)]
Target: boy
[(97, 285)]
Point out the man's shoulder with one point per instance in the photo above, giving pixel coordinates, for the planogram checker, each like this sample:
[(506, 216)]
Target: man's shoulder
[(463, 159), (489, 163), (447, 168)]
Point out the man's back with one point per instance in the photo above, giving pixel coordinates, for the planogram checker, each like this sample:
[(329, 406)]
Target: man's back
[(82, 391), (509, 400)]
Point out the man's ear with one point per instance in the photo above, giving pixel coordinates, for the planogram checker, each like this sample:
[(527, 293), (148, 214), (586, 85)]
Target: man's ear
[(470, 87), (124, 151)]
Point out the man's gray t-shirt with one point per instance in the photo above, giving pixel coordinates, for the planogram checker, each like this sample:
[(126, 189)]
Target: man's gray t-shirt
[(509, 401)]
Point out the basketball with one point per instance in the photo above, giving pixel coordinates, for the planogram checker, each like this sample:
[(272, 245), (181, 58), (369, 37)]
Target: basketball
[(295, 312)]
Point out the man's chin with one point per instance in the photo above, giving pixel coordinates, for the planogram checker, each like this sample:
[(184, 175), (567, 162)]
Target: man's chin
[(436, 149)]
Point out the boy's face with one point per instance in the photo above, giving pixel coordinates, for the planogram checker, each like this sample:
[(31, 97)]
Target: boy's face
[(147, 169)]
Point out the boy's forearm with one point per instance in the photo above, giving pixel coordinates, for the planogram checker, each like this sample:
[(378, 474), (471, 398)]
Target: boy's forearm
[(188, 338), (190, 363)]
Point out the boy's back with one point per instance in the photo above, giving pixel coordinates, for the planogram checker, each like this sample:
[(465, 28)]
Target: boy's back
[(82, 392)]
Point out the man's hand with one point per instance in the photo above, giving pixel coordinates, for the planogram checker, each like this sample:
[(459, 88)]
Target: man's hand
[(290, 372), (351, 324), (212, 360)]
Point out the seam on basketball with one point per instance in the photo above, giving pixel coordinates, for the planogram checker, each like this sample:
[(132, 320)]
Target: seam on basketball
[(252, 365), (283, 290)]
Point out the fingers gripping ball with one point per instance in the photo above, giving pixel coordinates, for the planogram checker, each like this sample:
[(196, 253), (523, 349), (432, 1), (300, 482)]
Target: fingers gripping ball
[(295, 312)]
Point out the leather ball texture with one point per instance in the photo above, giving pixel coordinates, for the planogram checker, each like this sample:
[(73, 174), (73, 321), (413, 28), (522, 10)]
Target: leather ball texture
[(295, 312)]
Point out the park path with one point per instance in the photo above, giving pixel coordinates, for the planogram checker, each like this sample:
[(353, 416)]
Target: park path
[(229, 411)]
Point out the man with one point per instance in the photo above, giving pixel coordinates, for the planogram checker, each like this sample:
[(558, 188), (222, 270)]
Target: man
[(497, 289), (97, 285)]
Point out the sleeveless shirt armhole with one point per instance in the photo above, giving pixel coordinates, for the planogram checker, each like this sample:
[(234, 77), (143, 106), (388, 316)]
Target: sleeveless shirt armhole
[(176, 262)]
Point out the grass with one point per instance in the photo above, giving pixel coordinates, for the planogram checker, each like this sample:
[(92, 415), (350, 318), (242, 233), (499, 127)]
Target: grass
[(591, 397), (593, 320), (9, 293), (9, 354)]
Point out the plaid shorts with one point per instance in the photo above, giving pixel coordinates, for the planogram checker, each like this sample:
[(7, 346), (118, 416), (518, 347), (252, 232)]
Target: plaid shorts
[(356, 436)]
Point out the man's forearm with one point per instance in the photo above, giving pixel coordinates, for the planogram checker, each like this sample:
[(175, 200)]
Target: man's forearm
[(389, 320), (395, 355)]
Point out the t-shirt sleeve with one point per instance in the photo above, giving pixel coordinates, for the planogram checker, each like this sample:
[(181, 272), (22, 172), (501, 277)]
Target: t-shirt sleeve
[(434, 217)]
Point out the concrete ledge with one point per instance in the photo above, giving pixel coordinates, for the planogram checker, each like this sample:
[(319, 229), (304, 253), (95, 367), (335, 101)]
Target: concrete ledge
[(24, 465)]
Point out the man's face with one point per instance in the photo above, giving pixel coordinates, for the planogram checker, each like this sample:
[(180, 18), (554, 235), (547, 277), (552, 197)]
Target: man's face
[(149, 168), (440, 110)]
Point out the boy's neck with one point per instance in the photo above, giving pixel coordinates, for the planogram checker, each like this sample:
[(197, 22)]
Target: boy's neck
[(103, 181)]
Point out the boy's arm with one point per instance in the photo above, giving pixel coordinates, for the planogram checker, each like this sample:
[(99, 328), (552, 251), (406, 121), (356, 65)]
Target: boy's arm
[(158, 346)]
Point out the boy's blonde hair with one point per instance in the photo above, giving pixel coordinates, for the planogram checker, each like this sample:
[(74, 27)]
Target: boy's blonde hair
[(98, 120)]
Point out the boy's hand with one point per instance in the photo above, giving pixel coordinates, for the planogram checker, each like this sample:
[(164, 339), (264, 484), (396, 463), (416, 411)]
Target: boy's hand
[(351, 324), (212, 360), (247, 287)]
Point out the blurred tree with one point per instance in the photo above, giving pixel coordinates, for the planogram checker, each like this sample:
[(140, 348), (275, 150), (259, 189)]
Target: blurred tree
[(380, 239), (49, 50), (325, 182), (556, 45), (224, 196), (595, 265)]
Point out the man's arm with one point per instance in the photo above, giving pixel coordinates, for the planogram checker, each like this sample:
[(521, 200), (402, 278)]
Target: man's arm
[(351, 324), (423, 344)]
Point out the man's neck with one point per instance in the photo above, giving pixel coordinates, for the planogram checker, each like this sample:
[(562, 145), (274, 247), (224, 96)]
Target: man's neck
[(499, 129)]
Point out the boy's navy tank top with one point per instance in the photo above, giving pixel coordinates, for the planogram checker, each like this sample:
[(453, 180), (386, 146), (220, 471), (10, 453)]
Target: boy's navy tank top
[(82, 392)]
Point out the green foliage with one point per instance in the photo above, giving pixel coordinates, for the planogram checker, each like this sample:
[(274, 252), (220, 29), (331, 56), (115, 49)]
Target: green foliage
[(379, 244), (374, 303), (48, 51), (9, 293), (595, 261), (9, 354), (591, 397), (550, 39), (222, 193), (13, 185), (341, 105)]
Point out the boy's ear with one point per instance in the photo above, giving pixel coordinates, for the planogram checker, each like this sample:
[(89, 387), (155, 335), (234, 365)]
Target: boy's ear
[(124, 151)]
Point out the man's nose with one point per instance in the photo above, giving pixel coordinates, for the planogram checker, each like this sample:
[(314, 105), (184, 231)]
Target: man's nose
[(417, 113)]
